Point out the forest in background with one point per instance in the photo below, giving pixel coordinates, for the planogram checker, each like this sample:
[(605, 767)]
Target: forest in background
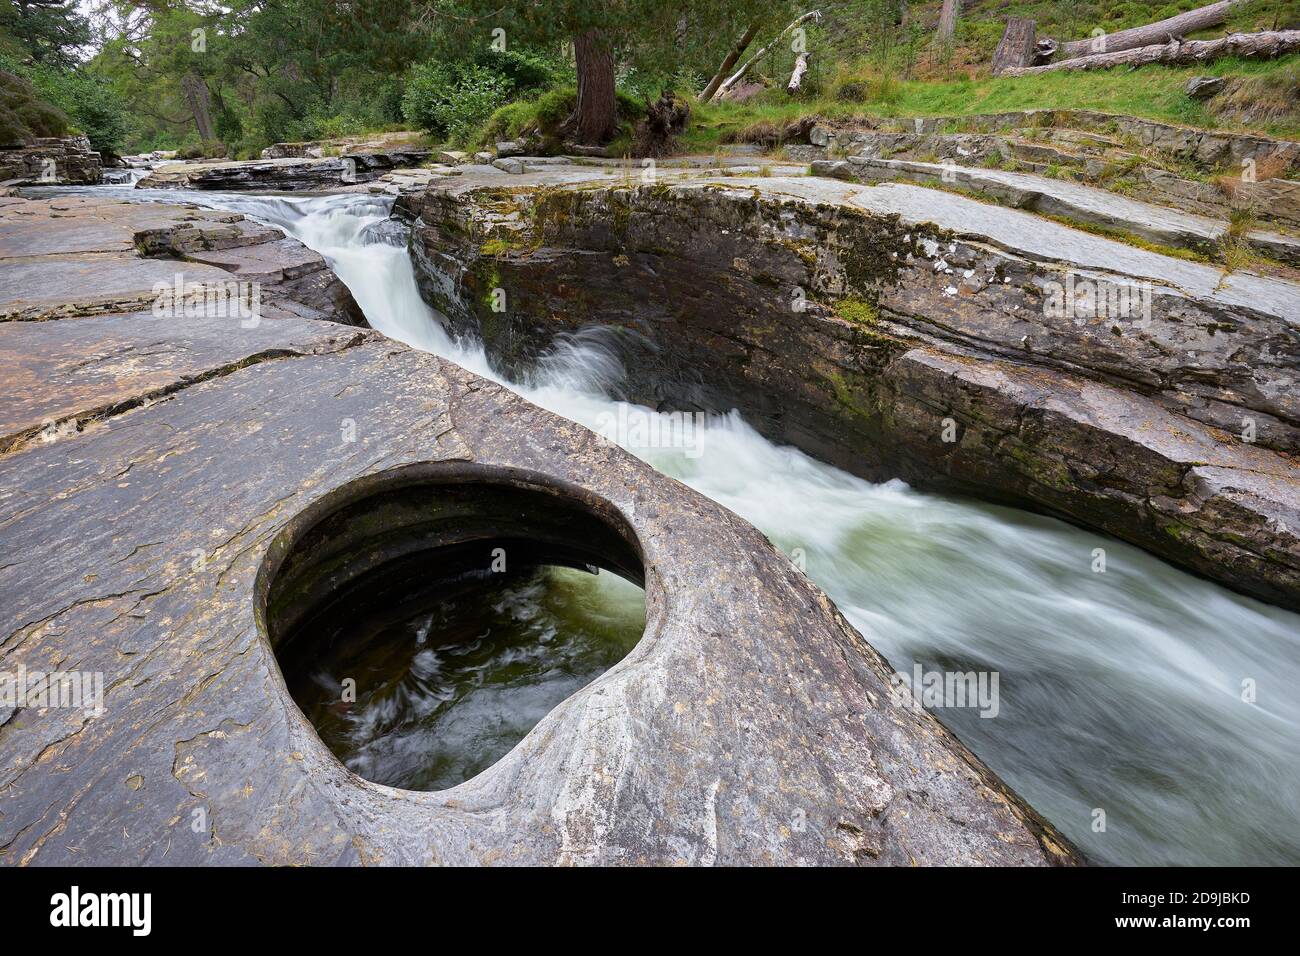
[(232, 78)]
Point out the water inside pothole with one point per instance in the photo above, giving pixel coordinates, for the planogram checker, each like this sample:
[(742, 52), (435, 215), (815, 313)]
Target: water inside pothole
[(449, 681)]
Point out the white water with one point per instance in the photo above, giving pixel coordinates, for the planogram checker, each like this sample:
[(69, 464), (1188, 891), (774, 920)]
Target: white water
[(1119, 691)]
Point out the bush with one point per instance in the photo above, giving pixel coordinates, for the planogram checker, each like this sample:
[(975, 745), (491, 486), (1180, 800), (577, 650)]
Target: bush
[(453, 100), (196, 150), (24, 114), (92, 105), (77, 98), (525, 71)]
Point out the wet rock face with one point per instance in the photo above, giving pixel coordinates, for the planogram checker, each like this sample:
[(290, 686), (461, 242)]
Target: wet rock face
[(899, 331), (193, 473), (291, 173), (54, 161)]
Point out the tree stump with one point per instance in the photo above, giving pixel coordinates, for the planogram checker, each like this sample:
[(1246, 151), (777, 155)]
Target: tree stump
[(1016, 48), (664, 119)]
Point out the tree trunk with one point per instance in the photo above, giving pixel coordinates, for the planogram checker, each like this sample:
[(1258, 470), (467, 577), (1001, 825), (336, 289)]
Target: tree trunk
[(596, 116), (1262, 46), (796, 77), (741, 46), (1016, 48), (732, 80), (948, 15), (199, 101), (1153, 33)]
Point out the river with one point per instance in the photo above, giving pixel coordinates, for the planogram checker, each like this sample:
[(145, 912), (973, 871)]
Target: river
[(1123, 713)]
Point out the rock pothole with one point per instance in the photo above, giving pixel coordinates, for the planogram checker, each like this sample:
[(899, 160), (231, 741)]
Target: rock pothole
[(426, 622)]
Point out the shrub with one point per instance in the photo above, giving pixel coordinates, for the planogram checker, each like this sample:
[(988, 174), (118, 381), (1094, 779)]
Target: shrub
[(544, 116), (77, 98), (524, 70), (92, 105), (452, 100)]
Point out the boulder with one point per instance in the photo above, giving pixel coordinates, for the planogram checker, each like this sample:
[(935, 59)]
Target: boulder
[(289, 150), (509, 148), (1205, 87), (513, 165)]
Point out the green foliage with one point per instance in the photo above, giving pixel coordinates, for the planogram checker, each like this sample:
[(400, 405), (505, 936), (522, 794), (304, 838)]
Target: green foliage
[(452, 100), (47, 31), (544, 114), (24, 114), (91, 103), (84, 101), (1155, 92)]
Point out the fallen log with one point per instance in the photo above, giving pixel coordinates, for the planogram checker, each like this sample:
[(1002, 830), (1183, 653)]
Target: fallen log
[(1259, 46), (1153, 33), (739, 74)]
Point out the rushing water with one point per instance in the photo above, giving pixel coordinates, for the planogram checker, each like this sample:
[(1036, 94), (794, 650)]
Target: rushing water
[(1119, 691)]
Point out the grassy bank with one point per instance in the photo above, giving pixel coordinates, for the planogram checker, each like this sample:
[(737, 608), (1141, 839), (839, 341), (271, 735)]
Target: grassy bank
[(1271, 91)]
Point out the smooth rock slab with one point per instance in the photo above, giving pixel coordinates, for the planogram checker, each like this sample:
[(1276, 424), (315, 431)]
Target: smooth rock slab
[(62, 374), (1075, 201), (85, 256), (284, 173)]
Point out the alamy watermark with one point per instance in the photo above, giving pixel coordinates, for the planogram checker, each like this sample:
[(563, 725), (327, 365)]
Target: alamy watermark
[(75, 908), (640, 428), (1082, 298), (928, 690), (232, 299), (37, 690)]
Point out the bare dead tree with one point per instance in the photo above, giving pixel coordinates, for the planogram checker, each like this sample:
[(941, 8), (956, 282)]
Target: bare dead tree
[(736, 77), (1162, 31), (728, 62), (797, 74), (1016, 48)]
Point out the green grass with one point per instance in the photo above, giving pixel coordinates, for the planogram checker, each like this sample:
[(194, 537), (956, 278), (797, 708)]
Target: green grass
[(1153, 92)]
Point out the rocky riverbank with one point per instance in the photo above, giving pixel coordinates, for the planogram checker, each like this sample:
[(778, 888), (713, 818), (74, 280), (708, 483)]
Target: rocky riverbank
[(285, 173), (52, 161), (901, 331)]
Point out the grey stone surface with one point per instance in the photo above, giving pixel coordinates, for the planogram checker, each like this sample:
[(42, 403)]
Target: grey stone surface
[(51, 161), (1081, 203), (1126, 155), (1205, 87), (293, 173)]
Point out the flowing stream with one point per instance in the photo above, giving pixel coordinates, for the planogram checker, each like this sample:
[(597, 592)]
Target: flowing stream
[(1123, 710)]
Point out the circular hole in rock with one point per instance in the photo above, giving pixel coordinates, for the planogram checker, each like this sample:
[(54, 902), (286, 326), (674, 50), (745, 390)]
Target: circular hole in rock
[(426, 620)]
